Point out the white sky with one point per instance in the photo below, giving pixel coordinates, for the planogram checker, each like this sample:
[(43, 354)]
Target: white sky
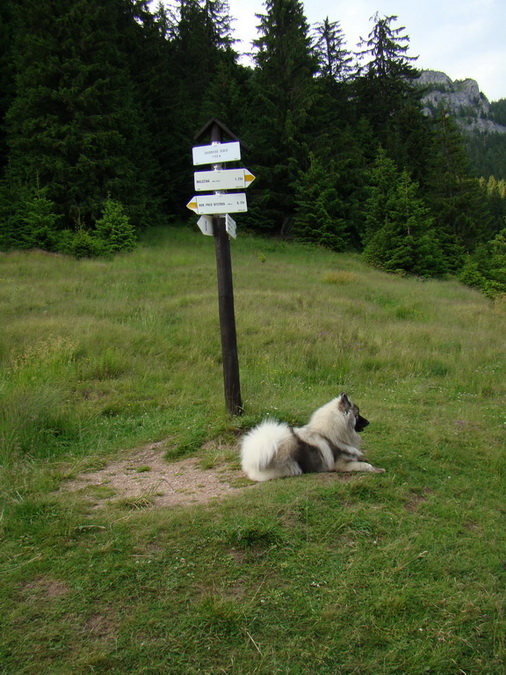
[(462, 38)]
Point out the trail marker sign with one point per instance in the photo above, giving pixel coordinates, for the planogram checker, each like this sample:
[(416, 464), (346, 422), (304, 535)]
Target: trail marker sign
[(216, 153), (205, 224), (228, 179), (231, 226), (219, 203)]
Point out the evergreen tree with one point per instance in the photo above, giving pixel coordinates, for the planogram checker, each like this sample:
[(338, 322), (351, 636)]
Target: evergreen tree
[(335, 61), (74, 123), (200, 54), (498, 111), (496, 198), (485, 269), (227, 95), (335, 108), (144, 41), (200, 42), (399, 235), (318, 212), (497, 263), (457, 202), (28, 218), (114, 229), (487, 154), (388, 97), (388, 71), (283, 98), (383, 178), (354, 154), (6, 74)]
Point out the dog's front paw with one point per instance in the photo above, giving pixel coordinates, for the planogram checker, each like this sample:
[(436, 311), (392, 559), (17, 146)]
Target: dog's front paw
[(377, 469)]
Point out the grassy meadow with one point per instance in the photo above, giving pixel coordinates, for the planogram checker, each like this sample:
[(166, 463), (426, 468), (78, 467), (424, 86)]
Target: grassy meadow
[(396, 573)]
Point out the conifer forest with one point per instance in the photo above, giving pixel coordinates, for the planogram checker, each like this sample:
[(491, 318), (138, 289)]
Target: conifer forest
[(100, 101)]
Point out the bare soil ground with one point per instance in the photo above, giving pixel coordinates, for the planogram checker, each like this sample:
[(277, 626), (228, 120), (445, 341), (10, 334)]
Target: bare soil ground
[(144, 475)]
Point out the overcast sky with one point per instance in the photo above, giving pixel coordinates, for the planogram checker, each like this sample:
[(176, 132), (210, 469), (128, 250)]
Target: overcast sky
[(462, 38)]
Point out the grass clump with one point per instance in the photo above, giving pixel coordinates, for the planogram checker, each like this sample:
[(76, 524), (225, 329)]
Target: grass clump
[(398, 573), (339, 277)]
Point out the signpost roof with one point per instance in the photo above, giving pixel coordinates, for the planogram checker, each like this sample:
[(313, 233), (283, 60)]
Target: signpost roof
[(206, 130)]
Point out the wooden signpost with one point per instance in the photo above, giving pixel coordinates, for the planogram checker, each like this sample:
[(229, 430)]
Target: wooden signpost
[(214, 210)]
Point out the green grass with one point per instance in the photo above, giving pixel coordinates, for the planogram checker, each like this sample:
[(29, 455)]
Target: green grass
[(398, 573)]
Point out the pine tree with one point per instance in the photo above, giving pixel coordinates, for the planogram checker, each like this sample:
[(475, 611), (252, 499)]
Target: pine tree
[(383, 177), (200, 42), (318, 212), (200, 53), (400, 235), (335, 61), (387, 96), (283, 98), (74, 123), (6, 74), (114, 229), (485, 269), (28, 218), (335, 108), (456, 200)]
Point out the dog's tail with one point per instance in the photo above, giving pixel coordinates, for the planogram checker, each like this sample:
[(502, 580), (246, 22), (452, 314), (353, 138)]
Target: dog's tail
[(259, 447)]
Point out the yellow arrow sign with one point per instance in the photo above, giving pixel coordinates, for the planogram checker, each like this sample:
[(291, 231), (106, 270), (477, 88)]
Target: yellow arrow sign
[(223, 179), (230, 202)]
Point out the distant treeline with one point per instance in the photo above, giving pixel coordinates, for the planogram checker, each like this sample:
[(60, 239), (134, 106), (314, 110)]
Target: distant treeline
[(100, 101)]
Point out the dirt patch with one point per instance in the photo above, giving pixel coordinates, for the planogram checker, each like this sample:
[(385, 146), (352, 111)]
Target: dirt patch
[(416, 499), (146, 478), (100, 627), (45, 587)]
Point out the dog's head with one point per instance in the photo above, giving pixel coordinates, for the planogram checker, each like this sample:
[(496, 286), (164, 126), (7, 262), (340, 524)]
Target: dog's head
[(350, 410)]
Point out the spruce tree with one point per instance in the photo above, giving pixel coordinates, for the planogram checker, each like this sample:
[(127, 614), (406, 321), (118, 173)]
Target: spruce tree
[(200, 57), (387, 96), (457, 202), (200, 42), (28, 219), (114, 229), (386, 80), (6, 74), (384, 175), (75, 124), (400, 235), (319, 210), (283, 101), (335, 107), (335, 61), (485, 269)]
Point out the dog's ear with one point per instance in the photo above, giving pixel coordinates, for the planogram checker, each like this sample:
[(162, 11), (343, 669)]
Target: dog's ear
[(343, 403)]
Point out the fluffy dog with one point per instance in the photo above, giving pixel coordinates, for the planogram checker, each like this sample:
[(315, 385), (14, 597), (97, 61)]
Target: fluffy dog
[(329, 442)]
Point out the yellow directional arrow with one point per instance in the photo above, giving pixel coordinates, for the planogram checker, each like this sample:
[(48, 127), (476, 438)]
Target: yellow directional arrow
[(192, 205), (249, 177)]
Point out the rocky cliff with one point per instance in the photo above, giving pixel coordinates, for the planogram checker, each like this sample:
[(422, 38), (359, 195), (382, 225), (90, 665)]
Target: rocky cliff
[(461, 98)]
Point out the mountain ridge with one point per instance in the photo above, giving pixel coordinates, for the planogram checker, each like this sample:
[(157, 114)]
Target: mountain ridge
[(461, 98)]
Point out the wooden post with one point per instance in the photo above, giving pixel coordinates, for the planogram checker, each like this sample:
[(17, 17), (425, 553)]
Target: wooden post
[(226, 306)]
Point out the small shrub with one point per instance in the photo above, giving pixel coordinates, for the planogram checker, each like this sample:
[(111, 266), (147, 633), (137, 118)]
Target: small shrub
[(30, 218), (114, 228), (84, 245)]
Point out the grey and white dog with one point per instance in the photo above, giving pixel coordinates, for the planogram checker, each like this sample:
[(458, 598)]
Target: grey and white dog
[(328, 442)]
